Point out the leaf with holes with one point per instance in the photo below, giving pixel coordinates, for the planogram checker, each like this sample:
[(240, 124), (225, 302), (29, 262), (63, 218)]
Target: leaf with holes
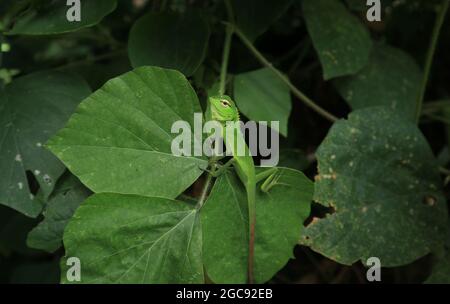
[(379, 174), (132, 239), (33, 108), (119, 139)]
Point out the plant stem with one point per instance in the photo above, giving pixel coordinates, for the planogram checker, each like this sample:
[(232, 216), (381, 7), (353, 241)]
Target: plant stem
[(225, 57), (226, 49), (430, 55), (436, 105), (205, 191), (230, 13), (438, 118), (305, 99)]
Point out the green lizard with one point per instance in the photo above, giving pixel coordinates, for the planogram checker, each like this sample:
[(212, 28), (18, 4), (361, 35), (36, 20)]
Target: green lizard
[(223, 109)]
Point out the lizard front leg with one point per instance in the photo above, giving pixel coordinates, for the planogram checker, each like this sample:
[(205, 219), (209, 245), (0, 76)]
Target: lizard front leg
[(221, 168)]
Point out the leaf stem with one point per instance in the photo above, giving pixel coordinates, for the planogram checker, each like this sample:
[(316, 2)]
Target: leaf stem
[(225, 57), (430, 55), (226, 49), (205, 191), (305, 99), (208, 182), (436, 105)]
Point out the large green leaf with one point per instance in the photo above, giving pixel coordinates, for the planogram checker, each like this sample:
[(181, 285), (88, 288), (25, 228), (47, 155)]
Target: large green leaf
[(33, 108), (132, 239), (119, 139), (391, 78), (279, 217), (49, 17), (379, 174), (254, 17), (261, 96), (169, 40), (65, 199), (341, 41)]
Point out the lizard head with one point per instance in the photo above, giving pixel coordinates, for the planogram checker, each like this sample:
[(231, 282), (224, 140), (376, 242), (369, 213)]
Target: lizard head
[(223, 108)]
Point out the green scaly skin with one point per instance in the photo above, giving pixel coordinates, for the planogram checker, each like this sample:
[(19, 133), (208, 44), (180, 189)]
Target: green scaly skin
[(223, 109)]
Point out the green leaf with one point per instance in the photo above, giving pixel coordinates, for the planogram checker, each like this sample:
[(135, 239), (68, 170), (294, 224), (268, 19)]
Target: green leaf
[(169, 40), (132, 239), (254, 17), (391, 78), (280, 214), (67, 196), (341, 41), (33, 108), (50, 17), (441, 271), (119, 139), (261, 96), (378, 173)]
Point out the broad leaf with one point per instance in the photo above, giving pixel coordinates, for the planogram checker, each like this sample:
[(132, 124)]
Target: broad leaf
[(378, 173), (280, 215), (33, 108), (131, 239), (261, 96), (119, 140), (254, 17), (50, 17), (67, 196), (391, 78), (341, 41), (169, 40)]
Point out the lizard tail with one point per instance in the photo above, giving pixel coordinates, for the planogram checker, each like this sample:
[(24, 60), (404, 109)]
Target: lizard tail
[(251, 189)]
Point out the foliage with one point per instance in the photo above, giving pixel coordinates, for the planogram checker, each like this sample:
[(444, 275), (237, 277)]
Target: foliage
[(86, 114)]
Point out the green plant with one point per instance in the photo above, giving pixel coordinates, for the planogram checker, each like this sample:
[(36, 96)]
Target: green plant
[(87, 169)]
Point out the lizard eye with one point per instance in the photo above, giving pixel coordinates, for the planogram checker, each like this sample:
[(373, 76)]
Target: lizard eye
[(225, 103)]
